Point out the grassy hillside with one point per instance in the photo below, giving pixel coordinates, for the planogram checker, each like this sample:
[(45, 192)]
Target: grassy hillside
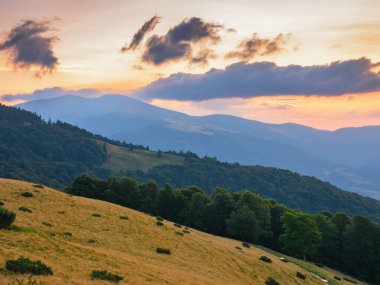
[(121, 158), (55, 153), (127, 247)]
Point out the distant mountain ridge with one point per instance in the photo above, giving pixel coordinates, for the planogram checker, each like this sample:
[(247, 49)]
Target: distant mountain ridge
[(348, 158)]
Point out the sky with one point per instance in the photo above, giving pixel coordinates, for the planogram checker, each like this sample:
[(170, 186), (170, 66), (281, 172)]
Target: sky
[(312, 63)]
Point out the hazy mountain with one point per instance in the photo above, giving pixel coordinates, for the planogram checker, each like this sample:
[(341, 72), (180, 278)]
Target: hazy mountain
[(348, 158)]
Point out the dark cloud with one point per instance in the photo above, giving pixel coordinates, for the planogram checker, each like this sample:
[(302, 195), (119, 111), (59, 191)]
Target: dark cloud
[(139, 36), (49, 93), (178, 43), (202, 57), (251, 48), (28, 46), (246, 80)]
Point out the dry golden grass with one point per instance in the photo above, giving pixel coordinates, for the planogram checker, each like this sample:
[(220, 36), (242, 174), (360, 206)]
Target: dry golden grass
[(125, 247)]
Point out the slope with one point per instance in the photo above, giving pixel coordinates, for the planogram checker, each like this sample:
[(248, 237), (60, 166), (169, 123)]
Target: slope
[(127, 247), (347, 158)]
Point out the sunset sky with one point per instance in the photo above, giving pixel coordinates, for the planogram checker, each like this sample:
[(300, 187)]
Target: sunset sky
[(322, 58)]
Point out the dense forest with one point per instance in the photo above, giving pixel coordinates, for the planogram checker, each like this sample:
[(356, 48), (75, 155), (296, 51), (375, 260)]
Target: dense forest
[(45, 152), (54, 153), (349, 244), (291, 189)]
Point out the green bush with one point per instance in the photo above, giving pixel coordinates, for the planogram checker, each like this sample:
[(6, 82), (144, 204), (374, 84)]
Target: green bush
[(61, 212), (91, 241), (186, 231), (96, 215), (159, 223), (180, 233), (124, 218), (27, 194), (178, 225), (265, 259), (25, 209), (159, 218), (6, 218), (300, 275), (68, 234), (163, 250), (319, 264), (25, 265), (337, 278), (349, 280), (271, 281), (246, 244), (38, 186), (284, 260), (47, 224), (1, 203), (238, 247), (105, 275)]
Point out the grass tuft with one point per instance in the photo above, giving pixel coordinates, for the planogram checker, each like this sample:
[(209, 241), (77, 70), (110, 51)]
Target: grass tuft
[(105, 275)]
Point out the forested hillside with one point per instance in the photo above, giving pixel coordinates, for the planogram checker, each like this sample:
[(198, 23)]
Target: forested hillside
[(56, 153), (44, 152), (349, 244), (296, 191)]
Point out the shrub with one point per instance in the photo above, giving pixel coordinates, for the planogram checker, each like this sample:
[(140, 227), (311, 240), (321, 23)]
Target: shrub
[(284, 260), (265, 259), (178, 225), (27, 194), (61, 212), (349, 280), (159, 223), (38, 186), (25, 209), (319, 264), (105, 275), (124, 218), (25, 265), (96, 215), (47, 224), (300, 275), (246, 244), (186, 228), (6, 218), (271, 281), (1, 203), (238, 247), (52, 234), (91, 241), (159, 218), (180, 233), (337, 278), (163, 250), (68, 234), (30, 281), (186, 231)]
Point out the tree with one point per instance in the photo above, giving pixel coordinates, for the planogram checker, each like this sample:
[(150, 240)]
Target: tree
[(243, 225), (261, 210), (197, 210), (328, 251), (219, 210), (301, 236)]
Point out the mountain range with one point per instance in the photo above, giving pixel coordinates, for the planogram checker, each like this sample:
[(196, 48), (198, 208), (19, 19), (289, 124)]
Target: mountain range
[(348, 158)]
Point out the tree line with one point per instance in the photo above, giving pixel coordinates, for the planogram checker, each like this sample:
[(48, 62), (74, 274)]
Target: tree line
[(351, 245)]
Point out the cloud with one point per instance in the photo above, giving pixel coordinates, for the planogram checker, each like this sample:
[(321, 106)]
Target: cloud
[(49, 93), (139, 36), (28, 46), (202, 57), (248, 80), (251, 48), (178, 42)]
